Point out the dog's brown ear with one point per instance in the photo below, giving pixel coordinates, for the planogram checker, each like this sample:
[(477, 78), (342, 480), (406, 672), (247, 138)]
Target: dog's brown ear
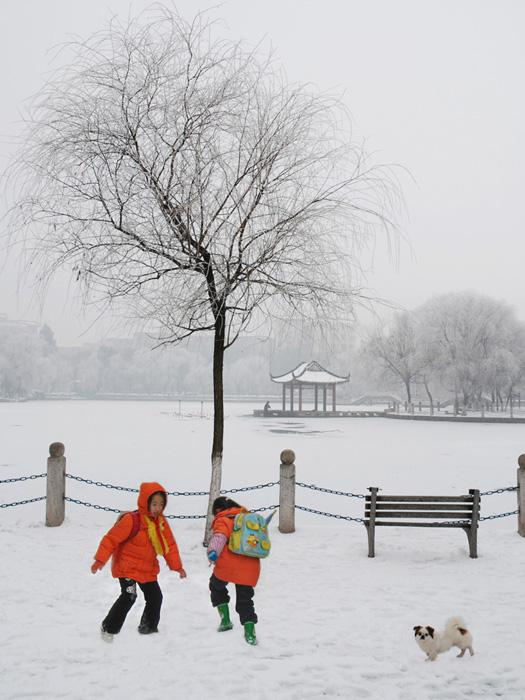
[(431, 630), (417, 628), (460, 629)]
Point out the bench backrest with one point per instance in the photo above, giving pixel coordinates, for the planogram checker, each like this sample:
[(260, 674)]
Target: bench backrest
[(397, 510)]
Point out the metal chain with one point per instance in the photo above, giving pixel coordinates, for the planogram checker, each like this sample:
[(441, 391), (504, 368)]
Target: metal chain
[(91, 505), (169, 493), (258, 510), (337, 493), (501, 515), (99, 483), (330, 515), (251, 488), (361, 520), (22, 503), (22, 478), (117, 510), (207, 493), (491, 493)]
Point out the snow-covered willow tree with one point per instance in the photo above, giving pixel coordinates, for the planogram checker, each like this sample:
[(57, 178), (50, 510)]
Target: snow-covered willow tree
[(184, 182), (395, 349), (476, 344)]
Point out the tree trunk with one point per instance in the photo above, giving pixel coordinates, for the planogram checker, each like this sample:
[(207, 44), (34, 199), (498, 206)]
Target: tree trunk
[(508, 398), (430, 398), (218, 420)]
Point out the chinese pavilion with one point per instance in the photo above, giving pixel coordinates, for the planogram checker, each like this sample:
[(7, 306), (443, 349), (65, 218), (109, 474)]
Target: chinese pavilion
[(309, 381)]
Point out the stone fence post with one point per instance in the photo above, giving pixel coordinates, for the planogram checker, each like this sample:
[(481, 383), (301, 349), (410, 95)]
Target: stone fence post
[(287, 492), (56, 485), (521, 495)]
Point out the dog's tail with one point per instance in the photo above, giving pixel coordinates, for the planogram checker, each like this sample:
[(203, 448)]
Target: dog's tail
[(454, 624)]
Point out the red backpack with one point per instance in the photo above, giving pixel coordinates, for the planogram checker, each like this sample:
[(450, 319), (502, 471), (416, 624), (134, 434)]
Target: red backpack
[(134, 530), (136, 522)]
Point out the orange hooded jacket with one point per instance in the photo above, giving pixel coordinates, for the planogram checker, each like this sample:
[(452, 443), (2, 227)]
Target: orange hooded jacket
[(235, 568), (137, 558)]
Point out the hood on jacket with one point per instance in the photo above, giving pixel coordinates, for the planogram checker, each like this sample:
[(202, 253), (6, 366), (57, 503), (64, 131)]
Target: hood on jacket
[(146, 490), (229, 513)]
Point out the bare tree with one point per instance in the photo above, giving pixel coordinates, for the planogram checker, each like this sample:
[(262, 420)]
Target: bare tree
[(184, 182), (396, 351)]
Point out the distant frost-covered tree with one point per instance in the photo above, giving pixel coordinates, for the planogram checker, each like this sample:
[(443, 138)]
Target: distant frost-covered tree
[(395, 350), (182, 180), (504, 369), (475, 342), (20, 362)]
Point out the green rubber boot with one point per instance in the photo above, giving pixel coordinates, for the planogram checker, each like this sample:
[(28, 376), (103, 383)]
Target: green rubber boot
[(224, 612), (249, 633)]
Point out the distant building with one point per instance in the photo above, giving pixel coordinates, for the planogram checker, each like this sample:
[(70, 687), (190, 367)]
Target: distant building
[(309, 380), (7, 325)]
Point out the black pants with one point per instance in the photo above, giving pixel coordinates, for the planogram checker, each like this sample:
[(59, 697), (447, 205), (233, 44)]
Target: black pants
[(244, 598), (114, 620)]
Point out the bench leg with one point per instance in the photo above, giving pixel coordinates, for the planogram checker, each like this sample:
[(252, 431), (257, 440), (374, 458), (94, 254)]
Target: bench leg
[(472, 536), (370, 529)]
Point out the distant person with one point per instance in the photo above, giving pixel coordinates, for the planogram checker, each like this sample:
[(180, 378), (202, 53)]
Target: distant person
[(232, 568), (135, 541), (266, 409)]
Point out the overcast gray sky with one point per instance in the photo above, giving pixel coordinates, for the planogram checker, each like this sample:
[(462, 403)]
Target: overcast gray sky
[(436, 86)]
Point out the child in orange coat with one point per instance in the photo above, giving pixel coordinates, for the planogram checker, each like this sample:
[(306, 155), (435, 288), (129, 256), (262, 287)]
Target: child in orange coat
[(135, 560), (241, 570)]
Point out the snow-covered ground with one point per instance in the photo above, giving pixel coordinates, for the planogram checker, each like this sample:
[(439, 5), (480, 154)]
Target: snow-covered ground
[(332, 622)]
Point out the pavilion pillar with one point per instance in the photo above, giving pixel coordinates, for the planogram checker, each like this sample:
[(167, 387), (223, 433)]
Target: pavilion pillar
[(300, 397), (291, 396), (324, 399), (333, 398), (316, 392), (284, 397)]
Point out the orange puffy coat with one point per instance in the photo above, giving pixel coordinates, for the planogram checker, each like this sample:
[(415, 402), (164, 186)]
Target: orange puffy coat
[(137, 558), (235, 568)]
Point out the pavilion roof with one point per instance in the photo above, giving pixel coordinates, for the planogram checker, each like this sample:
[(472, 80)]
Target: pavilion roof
[(309, 373)]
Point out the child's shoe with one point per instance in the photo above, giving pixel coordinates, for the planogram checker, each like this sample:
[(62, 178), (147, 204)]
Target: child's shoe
[(226, 623), (249, 633), (146, 629), (106, 636)]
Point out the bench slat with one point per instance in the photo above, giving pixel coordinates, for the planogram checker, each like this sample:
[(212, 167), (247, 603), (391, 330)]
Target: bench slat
[(380, 507), (446, 515), (424, 499), (457, 524)]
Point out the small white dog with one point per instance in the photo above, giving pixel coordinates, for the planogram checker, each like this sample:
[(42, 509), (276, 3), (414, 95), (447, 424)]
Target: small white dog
[(455, 634)]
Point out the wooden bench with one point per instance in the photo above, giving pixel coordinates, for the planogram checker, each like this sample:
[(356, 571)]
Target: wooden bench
[(415, 511)]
